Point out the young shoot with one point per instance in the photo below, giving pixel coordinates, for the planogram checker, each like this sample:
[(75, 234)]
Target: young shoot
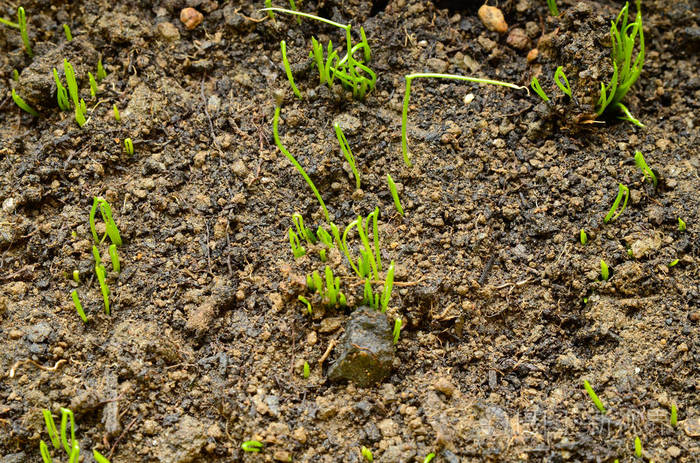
[(99, 458), (625, 72), (104, 289), (622, 191), (604, 271), (302, 230), (307, 303), (51, 428), (637, 447), (388, 286), (76, 276), (15, 75), (397, 330), (111, 229), (101, 74), (370, 299), (268, 5), (347, 152), (61, 92), (673, 263), (535, 85), (114, 257), (429, 457), (295, 163), (594, 397), (394, 194), (324, 237), (641, 163), (129, 146), (563, 86), (22, 21), (367, 454), (674, 415), (21, 103), (252, 446), (9, 23), (583, 237), (93, 85), (407, 96), (96, 255), (307, 370), (681, 225), (288, 70), (66, 30), (297, 249), (72, 82), (117, 117), (78, 305), (553, 7)]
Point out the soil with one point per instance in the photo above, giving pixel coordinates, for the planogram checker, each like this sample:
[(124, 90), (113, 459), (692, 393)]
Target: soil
[(504, 311)]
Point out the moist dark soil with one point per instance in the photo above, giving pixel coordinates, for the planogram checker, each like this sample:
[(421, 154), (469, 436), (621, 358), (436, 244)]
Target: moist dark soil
[(504, 311)]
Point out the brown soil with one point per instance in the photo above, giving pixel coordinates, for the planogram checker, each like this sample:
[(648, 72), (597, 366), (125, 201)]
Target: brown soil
[(504, 311)]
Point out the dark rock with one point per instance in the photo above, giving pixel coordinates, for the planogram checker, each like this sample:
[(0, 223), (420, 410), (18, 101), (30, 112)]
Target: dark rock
[(366, 349)]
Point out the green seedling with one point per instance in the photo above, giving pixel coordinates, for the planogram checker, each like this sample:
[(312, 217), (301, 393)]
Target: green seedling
[(93, 85), (322, 255), (307, 370), (535, 85), (22, 21), (594, 397), (674, 415), (100, 272), (61, 92), (681, 225), (96, 255), (15, 75), (74, 454), (268, 5), (394, 194), (72, 82), (297, 249), (604, 271), (111, 229), (407, 96), (563, 86), (44, 451), (51, 428), (367, 454), (317, 54), (370, 299), (307, 303), (641, 163), (293, 5), (295, 163), (114, 257), (324, 237), (553, 7), (347, 152), (117, 117), (333, 294), (66, 30), (69, 447), (673, 263), (9, 23), (76, 276), (288, 70), (368, 264), (20, 102), (80, 114), (78, 305), (397, 330), (429, 457), (101, 74), (388, 286), (583, 237), (622, 191), (99, 458), (129, 146), (252, 446), (302, 231), (625, 72), (637, 447)]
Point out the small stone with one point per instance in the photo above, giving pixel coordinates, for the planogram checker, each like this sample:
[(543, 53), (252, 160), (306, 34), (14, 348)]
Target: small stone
[(15, 334), (388, 427), (239, 168), (299, 435), (282, 455), (493, 19), (643, 244), (329, 325), (532, 55), (214, 431), (191, 18), (348, 123), (694, 316), (518, 39), (691, 426), (168, 31), (199, 158), (674, 451), (445, 386), (438, 65)]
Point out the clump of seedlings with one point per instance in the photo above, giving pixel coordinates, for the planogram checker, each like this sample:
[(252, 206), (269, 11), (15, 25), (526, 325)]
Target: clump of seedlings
[(622, 192), (112, 232), (60, 439), (553, 7), (330, 295), (407, 97)]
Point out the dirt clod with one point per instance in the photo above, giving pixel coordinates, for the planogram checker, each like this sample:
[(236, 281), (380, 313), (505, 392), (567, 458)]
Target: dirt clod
[(493, 19), (191, 18)]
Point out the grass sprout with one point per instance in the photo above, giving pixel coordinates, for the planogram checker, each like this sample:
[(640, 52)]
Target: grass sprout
[(96, 255), (104, 289), (66, 30), (297, 249), (15, 75), (78, 305), (637, 447), (302, 230), (674, 415), (562, 82), (324, 237), (76, 276), (93, 85), (21, 103), (407, 96), (594, 397), (535, 85), (388, 286), (397, 330), (67, 415), (129, 146), (9, 23), (622, 191), (117, 117), (252, 446), (307, 303), (101, 74), (553, 7), (288, 70), (370, 299), (111, 229), (367, 454), (604, 271), (295, 163), (307, 370), (623, 37), (673, 263), (61, 92), (394, 194), (72, 82), (368, 263), (583, 237), (347, 152), (681, 225), (114, 257), (641, 163), (99, 458), (22, 21), (51, 428)]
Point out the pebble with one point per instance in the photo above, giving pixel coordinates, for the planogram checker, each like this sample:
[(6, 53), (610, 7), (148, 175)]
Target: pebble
[(493, 19), (691, 426), (532, 55), (168, 31), (445, 386), (191, 18), (438, 65), (330, 325), (518, 39), (239, 168)]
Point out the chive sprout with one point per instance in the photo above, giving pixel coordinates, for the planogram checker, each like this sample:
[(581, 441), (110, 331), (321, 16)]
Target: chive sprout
[(625, 72), (22, 21), (307, 303), (111, 229), (674, 415), (252, 446), (96, 255), (72, 82), (99, 458), (104, 289), (583, 237), (564, 87), (429, 457), (101, 74), (367, 454), (61, 92), (9, 23), (637, 447), (44, 451), (604, 271), (388, 286), (535, 85), (307, 370), (673, 263), (297, 249), (21, 103), (407, 96), (114, 257), (394, 194), (76, 276), (129, 146), (594, 397), (553, 7), (641, 163), (622, 191), (117, 117), (347, 152), (681, 225), (292, 159), (15, 75), (78, 305), (288, 70), (397, 330), (66, 30), (268, 5), (51, 428), (93, 85), (66, 414), (302, 230)]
